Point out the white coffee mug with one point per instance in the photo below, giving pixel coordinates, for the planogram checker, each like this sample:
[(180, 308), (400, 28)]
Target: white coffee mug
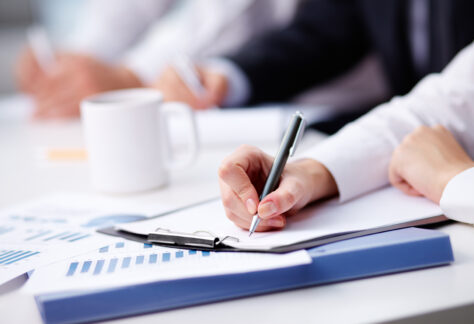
[(127, 142)]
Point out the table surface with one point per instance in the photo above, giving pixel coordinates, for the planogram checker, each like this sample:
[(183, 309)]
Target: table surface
[(376, 299)]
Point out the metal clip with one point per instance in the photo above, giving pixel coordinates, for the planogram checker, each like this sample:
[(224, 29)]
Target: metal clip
[(165, 236), (203, 239)]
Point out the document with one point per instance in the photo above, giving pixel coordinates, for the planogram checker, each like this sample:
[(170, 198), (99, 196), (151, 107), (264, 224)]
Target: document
[(128, 263), (384, 207), (263, 126), (59, 226)]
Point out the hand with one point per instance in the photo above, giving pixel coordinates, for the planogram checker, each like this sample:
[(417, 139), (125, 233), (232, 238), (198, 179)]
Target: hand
[(28, 72), (174, 88), (75, 77), (426, 160), (242, 176)]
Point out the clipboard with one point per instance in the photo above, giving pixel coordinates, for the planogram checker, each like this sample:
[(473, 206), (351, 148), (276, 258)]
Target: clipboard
[(162, 230), (206, 241)]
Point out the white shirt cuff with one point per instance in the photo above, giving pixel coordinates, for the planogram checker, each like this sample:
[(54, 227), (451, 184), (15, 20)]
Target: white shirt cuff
[(457, 201), (357, 160), (238, 87)]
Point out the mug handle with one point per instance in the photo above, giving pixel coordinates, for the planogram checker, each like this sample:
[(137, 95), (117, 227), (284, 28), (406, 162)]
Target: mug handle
[(186, 113)]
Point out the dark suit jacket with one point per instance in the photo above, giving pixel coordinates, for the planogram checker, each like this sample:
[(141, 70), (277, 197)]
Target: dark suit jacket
[(327, 37)]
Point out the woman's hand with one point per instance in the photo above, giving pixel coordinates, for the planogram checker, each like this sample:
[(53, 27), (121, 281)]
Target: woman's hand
[(173, 88), (426, 160), (75, 77), (28, 72), (242, 176)]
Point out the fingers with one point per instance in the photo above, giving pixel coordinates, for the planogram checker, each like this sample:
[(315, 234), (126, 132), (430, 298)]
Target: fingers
[(240, 216), (238, 175), (235, 172), (396, 171), (27, 71), (175, 89), (287, 197), (216, 85), (400, 183)]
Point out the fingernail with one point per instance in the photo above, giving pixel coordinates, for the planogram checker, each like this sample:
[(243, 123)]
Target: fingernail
[(267, 209), (275, 222), (251, 206)]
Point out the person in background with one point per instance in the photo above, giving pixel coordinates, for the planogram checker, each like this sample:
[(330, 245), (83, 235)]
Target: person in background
[(327, 38), (421, 143), (125, 44)]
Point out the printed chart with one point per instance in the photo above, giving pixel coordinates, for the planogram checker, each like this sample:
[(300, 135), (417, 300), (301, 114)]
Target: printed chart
[(58, 226), (129, 263)]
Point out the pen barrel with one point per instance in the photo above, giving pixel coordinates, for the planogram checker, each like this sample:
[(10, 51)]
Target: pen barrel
[(274, 175), (279, 163)]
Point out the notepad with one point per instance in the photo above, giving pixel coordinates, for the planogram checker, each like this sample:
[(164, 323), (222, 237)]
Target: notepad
[(206, 226)]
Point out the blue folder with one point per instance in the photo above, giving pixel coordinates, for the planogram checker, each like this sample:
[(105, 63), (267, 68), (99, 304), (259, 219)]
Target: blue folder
[(377, 254)]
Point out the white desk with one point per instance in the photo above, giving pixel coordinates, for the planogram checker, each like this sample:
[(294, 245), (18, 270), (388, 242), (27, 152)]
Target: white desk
[(368, 300)]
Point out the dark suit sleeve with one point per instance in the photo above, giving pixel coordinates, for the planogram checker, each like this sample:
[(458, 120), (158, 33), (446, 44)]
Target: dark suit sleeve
[(325, 38)]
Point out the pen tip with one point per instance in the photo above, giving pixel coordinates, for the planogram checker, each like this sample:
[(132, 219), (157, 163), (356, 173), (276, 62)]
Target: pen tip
[(250, 234)]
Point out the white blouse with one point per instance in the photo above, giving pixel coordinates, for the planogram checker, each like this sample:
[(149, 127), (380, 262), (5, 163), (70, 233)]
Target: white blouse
[(457, 201), (358, 156)]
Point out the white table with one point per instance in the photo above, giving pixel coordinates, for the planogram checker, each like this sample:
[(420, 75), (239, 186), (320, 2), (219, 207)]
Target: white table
[(376, 299)]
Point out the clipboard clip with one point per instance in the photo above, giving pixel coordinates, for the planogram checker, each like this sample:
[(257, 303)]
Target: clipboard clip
[(198, 239)]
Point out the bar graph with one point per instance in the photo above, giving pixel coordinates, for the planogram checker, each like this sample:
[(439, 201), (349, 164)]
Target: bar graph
[(36, 219), (53, 228), (103, 266), (8, 257), (47, 235)]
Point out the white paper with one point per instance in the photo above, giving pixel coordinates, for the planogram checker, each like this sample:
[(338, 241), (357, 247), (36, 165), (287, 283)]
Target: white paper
[(128, 263), (251, 126), (60, 226), (384, 207)]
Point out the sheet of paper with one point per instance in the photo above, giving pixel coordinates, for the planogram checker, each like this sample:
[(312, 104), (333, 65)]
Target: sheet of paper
[(59, 226), (384, 207), (234, 126), (126, 263)]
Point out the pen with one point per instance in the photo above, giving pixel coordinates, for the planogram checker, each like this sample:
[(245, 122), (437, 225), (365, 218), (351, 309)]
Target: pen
[(288, 145), (187, 72), (41, 47)]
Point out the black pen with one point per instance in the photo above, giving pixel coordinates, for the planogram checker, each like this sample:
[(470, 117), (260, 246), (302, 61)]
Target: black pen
[(288, 145)]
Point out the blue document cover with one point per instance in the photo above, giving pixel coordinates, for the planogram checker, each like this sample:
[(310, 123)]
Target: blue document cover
[(371, 255)]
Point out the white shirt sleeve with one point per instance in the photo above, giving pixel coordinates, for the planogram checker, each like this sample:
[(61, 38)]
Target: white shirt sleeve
[(358, 156), (107, 28), (228, 25), (457, 201)]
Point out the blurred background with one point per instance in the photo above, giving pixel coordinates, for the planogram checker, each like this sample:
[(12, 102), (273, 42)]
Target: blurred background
[(15, 16), (62, 18)]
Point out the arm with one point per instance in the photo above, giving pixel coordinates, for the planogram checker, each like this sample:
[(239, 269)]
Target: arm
[(430, 162), (107, 28), (356, 160), (359, 155)]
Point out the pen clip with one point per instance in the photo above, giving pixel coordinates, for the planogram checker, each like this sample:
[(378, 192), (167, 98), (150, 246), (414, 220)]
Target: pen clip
[(299, 134)]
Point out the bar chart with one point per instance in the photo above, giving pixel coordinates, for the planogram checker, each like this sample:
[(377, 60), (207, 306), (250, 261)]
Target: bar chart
[(55, 227), (128, 255), (8, 257), (131, 263), (104, 266), (47, 235)]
